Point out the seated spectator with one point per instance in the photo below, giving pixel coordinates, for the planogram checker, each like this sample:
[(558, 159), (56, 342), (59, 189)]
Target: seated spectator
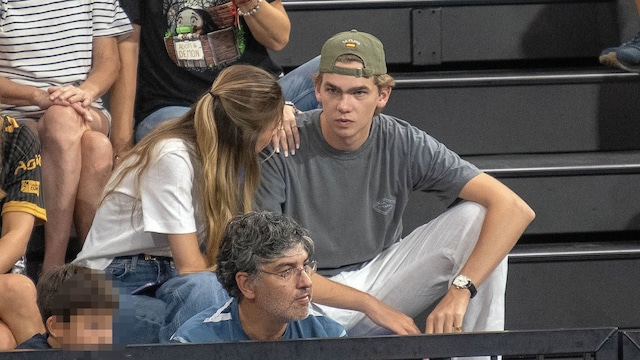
[(56, 60), (349, 186), (170, 80), (22, 208), (175, 192), (265, 264), (78, 306)]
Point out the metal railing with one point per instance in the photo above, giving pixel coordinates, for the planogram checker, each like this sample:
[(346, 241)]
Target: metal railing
[(585, 343)]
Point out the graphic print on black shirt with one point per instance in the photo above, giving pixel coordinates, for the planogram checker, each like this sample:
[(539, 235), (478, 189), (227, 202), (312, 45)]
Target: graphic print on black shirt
[(203, 34)]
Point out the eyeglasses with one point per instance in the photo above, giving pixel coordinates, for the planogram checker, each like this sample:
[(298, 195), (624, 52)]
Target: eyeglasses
[(308, 268)]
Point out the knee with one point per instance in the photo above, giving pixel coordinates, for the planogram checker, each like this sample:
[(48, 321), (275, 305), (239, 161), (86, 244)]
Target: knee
[(95, 141), (471, 212), (97, 150), (467, 219), (16, 289), (7, 341), (200, 281), (59, 120)]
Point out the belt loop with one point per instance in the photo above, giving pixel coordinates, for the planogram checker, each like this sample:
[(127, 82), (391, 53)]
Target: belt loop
[(134, 261)]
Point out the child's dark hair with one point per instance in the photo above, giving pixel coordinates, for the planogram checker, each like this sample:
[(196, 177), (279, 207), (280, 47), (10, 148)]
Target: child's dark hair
[(70, 288)]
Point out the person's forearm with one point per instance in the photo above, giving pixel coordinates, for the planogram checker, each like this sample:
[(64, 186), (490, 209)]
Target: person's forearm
[(123, 94), (331, 293), (16, 230), (12, 250), (270, 25), (334, 294), (17, 94), (506, 218), (105, 67), (505, 221), (186, 253)]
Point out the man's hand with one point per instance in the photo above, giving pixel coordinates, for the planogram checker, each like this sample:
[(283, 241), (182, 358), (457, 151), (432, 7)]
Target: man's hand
[(72, 96), (448, 314), (45, 99), (288, 137), (391, 319)]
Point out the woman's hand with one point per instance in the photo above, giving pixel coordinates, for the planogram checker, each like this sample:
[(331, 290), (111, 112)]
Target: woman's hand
[(288, 139)]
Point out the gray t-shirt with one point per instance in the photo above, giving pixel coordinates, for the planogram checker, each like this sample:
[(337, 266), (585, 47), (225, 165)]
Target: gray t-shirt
[(352, 202)]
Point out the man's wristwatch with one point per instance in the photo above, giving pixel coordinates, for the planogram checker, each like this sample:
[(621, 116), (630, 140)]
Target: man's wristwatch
[(463, 282)]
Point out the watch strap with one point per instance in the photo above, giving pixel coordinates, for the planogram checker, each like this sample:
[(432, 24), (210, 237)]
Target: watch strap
[(463, 282), (472, 289)]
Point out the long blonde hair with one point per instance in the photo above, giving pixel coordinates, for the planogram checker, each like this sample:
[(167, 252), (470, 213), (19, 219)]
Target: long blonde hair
[(223, 126)]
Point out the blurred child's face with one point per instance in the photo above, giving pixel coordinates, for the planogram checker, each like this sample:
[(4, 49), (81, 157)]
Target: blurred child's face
[(90, 329)]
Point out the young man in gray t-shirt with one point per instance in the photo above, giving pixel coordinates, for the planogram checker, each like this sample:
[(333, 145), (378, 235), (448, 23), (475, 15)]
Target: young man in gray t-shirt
[(349, 185)]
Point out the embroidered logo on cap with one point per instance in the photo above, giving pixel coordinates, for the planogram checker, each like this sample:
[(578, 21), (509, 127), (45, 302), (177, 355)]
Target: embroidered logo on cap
[(351, 43)]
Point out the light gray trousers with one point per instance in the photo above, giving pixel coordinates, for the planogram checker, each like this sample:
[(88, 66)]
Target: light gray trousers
[(413, 274)]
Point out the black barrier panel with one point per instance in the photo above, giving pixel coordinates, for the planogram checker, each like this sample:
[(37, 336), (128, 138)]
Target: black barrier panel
[(598, 343), (630, 344)]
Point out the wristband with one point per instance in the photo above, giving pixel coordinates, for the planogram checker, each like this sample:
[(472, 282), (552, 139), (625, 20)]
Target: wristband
[(250, 12), (295, 109)]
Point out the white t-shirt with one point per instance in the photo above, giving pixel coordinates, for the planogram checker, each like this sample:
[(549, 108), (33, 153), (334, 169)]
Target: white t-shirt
[(127, 223)]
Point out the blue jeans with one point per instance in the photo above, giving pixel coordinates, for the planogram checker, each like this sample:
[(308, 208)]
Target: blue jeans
[(133, 272), (297, 86), (186, 296), (157, 117)]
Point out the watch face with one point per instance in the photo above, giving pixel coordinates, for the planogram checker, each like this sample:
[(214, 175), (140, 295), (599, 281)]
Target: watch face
[(461, 281)]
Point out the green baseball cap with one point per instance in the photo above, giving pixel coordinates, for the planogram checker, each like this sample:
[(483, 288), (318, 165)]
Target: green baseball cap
[(366, 46)]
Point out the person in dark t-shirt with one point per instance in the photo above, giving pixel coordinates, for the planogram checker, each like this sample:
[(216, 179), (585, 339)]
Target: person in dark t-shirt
[(22, 208), (178, 49)]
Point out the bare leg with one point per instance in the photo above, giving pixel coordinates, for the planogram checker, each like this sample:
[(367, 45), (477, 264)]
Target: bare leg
[(97, 161), (61, 131), (23, 321)]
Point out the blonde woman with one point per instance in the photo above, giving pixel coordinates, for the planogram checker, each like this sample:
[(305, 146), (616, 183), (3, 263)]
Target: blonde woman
[(173, 195)]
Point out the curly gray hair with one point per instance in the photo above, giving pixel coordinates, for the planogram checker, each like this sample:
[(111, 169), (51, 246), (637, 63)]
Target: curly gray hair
[(254, 239)]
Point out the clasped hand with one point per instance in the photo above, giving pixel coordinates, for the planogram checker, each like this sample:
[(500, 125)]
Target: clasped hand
[(68, 95)]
